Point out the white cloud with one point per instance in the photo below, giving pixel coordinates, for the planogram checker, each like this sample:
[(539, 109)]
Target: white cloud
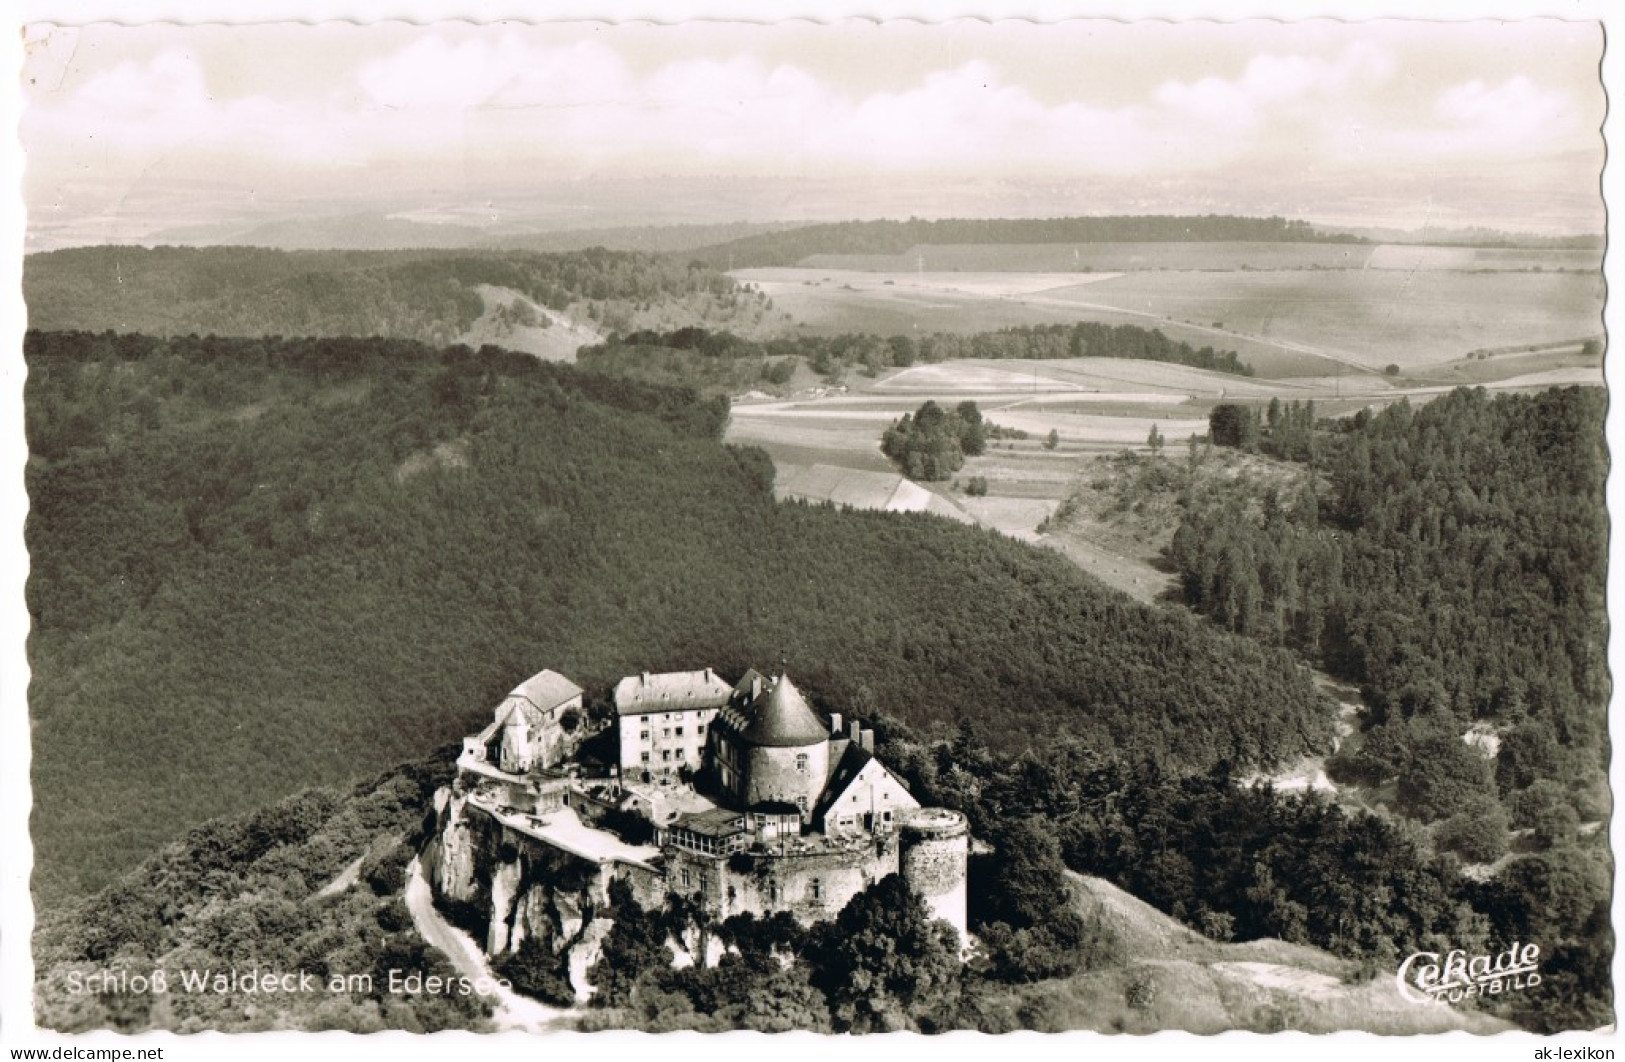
[(1277, 86), (463, 105), (1515, 113)]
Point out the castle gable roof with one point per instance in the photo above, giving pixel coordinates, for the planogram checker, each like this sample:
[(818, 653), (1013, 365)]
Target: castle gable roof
[(546, 689), (844, 770), (673, 691), (781, 718)]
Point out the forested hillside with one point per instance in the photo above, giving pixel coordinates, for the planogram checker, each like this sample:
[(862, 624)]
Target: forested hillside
[(1453, 565), (1450, 559), (250, 291), (895, 237), (314, 883), (263, 564)]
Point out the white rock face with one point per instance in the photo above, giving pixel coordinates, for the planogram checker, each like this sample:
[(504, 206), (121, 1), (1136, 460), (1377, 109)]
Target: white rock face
[(531, 919), (570, 921), (452, 870), (584, 953), (504, 891)]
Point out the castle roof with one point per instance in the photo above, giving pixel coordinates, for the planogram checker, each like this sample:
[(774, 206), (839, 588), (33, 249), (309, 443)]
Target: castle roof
[(674, 691), (546, 689), (717, 822), (846, 759), (781, 718)]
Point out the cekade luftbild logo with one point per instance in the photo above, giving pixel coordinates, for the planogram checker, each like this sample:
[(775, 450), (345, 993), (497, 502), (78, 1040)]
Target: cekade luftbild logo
[(1426, 977)]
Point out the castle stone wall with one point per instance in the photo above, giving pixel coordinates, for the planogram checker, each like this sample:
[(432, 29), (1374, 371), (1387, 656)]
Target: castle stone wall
[(811, 886)]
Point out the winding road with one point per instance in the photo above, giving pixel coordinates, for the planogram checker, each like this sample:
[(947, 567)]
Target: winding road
[(513, 1011)]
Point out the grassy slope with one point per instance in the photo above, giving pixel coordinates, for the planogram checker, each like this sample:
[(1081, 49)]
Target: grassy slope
[(1185, 981)]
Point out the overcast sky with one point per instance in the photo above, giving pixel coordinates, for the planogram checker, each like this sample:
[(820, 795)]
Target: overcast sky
[(132, 130)]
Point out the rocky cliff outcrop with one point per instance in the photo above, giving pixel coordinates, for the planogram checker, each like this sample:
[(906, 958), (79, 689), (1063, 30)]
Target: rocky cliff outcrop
[(506, 890)]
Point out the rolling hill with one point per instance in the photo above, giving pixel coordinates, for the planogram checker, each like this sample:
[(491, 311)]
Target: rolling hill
[(432, 296), (1175, 978)]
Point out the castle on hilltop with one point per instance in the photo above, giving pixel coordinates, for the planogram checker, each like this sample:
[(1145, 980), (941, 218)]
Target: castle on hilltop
[(740, 797)]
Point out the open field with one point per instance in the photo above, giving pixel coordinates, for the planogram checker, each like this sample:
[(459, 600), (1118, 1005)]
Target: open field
[(1207, 255), (1096, 407), (1370, 318), (1284, 323)]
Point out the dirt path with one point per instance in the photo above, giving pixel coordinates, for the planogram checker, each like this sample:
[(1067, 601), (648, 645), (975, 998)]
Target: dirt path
[(513, 1011), (345, 879)]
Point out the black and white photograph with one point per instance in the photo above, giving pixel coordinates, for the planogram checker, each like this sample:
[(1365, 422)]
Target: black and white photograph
[(831, 526)]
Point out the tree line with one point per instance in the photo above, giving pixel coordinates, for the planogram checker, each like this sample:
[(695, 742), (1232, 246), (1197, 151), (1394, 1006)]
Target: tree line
[(835, 355), (895, 237)]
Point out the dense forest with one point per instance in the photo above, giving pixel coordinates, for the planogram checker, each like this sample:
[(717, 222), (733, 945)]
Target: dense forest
[(712, 358), (261, 888), (249, 291), (1449, 559), (894, 237), (261, 564)]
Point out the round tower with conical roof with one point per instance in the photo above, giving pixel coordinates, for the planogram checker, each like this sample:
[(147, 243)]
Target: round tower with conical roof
[(786, 749)]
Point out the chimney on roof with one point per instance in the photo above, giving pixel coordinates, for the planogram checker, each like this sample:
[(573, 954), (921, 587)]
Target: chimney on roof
[(644, 679), (857, 730), (708, 675), (866, 738), (835, 723)]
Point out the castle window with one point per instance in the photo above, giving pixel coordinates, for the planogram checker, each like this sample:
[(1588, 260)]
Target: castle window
[(679, 731), (665, 754), (645, 757), (643, 735), (817, 889), (801, 762), (773, 893), (685, 877), (700, 729), (885, 816), (682, 754), (666, 732)]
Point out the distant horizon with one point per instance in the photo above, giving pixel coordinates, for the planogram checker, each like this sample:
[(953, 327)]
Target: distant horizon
[(135, 133), (1375, 231)]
